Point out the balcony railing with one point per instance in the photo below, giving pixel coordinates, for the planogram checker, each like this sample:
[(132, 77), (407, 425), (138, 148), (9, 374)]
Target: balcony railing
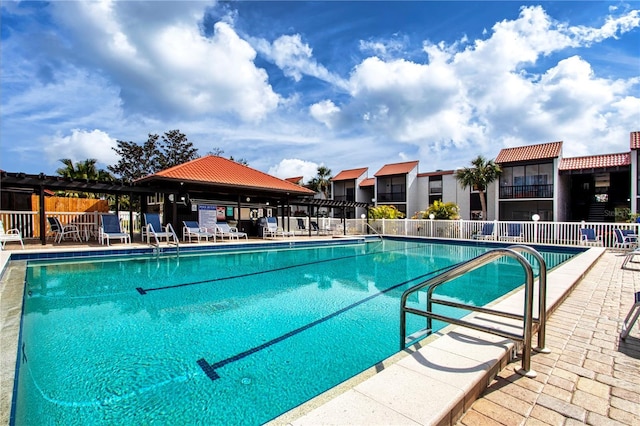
[(385, 197), (526, 191)]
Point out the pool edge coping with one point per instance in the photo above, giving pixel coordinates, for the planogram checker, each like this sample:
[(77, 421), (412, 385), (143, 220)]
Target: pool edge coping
[(328, 408)]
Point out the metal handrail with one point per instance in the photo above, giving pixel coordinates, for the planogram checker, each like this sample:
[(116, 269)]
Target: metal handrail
[(156, 246), (462, 269), (375, 231)]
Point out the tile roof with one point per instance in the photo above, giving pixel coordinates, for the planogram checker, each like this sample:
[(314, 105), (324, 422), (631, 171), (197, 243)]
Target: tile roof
[(635, 140), (368, 182), (351, 174), (530, 152), (220, 171), (437, 173), (397, 168), (596, 161), (297, 180)]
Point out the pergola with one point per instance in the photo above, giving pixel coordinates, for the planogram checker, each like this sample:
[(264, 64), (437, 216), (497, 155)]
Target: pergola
[(41, 182)]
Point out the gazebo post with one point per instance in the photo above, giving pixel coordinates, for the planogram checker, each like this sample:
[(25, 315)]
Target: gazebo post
[(43, 221)]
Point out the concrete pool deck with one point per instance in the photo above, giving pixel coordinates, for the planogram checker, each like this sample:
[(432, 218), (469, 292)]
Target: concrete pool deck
[(589, 371)]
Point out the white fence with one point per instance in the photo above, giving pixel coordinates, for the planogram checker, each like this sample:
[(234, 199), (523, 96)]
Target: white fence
[(554, 233), (29, 222)]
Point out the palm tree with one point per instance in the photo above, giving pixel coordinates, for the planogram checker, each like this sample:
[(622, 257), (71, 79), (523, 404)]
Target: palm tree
[(479, 177), (83, 170), (323, 180)]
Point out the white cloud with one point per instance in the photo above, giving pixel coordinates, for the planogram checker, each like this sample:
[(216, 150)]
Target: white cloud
[(81, 145), (291, 167), (295, 59), (170, 65), (482, 97), (325, 112)]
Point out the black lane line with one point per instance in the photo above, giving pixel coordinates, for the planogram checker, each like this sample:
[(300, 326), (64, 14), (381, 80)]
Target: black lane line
[(144, 291), (209, 369)]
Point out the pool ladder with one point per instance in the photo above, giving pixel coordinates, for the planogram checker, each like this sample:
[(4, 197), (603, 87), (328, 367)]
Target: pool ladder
[(530, 325), (157, 250)]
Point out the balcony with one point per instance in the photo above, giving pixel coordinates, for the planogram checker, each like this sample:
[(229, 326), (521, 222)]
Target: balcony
[(526, 191), (386, 197)]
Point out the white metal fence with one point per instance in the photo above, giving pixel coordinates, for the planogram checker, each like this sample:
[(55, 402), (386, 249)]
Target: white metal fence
[(554, 233)]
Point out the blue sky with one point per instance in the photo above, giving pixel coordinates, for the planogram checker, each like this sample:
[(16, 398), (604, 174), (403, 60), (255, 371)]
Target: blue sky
[(291, 85)]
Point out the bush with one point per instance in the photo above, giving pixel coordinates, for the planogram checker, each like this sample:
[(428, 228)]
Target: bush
[(385, 212)]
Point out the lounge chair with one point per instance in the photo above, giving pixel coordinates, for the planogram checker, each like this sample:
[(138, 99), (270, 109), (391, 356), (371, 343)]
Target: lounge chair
[(110, 229), (514, 232), (11, 235), (486, 233), (192, 229), (632, 316), (224, 230), (625, 239), (588, 237), (271, 229), (154, 228), (60, 231), (302, 228), (315, 228)]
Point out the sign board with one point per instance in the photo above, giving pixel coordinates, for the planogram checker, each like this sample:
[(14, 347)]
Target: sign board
[(207, 216)]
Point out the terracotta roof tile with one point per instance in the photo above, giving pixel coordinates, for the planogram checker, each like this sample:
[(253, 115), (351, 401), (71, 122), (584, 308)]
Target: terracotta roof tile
[(368, 182), (223, 172), (530, 152), (297, 180), (438, 173), (595, 161), (397, 168), (635, 140), (351, 174)]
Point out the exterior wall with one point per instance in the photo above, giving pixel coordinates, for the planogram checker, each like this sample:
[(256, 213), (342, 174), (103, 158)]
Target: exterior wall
[(633, 196), (563, 196), (413, 201)]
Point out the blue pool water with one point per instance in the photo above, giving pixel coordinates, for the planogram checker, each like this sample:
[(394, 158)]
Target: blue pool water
[(222, 338)]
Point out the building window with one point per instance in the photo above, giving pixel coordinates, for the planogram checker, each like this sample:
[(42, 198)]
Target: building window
[(527, 181), (392, 189)]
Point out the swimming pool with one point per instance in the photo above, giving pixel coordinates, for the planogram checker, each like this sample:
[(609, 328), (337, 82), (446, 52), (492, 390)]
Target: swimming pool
[(222, 338)]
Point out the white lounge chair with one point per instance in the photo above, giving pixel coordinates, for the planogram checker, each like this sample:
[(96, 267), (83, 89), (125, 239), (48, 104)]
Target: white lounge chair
[(625, 239), (224, 230), (588, 237), (59, 231), (110, 229), (193, 229), (10, 235), (272, 230)]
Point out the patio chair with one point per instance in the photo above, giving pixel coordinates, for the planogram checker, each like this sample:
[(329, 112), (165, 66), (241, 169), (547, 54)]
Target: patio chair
[(110, 229), (302, 228), (588, 237), (318, 230), (272, 229), (193, 229), (514, 232), (224, 230), (154, 228), (9, 236), (632, 316), (625, 239), (486, 233), (60, 231)]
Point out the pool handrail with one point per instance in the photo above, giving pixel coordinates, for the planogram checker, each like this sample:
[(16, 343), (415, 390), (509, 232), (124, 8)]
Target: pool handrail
[(461, 269)]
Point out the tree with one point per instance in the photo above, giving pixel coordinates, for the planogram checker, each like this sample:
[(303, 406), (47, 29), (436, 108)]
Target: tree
[(136, 161), (321, 182), (175, 149), (219, 151), (155, 154), (82, 170), (479, 177)]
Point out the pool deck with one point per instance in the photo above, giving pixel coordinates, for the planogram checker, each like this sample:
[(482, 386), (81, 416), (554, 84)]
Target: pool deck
[(466, 377)]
